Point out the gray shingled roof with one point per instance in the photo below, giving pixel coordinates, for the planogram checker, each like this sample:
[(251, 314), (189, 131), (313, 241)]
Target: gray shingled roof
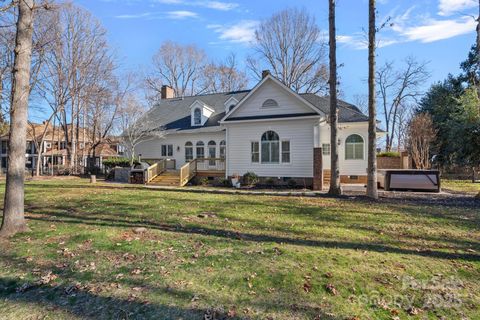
[(174, 114)]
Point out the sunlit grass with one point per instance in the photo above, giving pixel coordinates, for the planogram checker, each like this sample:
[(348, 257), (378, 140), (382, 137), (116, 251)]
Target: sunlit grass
[(241, 256)]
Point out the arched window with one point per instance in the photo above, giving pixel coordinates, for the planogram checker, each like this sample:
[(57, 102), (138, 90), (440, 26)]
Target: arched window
[(269, 103), (212, 152), (200, 149), (222, 149), (354, 147), (231, 107), (270, 147), (197, 116), (188, 151)]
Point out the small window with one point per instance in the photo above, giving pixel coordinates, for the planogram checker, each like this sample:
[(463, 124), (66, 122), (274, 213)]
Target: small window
[(231, 107), (326, 149), (197, 117), (255, 147), (285, 151), (167, 150), (270, 103), (354, 147), (200, 149), (188, 151)]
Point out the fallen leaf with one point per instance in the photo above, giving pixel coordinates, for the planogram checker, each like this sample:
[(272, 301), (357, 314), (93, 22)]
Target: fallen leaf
[(331, 289)]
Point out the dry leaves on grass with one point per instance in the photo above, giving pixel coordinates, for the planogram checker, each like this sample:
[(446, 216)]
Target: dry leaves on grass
[(331, 289)]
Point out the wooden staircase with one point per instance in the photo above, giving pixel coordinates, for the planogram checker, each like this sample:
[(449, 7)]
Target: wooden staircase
[(326, 177), (167, 178)]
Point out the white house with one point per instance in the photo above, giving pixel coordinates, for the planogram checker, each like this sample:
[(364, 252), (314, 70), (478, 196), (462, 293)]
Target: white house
[(269, 130)]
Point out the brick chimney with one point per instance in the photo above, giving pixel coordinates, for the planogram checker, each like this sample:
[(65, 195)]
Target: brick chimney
[(265, 73), (167, 92)]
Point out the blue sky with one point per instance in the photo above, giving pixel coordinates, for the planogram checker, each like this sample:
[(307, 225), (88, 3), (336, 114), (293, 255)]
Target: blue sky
[(438, 31)]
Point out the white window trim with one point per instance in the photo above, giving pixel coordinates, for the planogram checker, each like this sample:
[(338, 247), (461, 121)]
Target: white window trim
[(354, 143), (259, 152), (329, 150), (280, 148), (289, 151)]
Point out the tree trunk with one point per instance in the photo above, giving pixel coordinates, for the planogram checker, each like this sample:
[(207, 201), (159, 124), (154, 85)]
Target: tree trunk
[(372, 191), (13, 211), (335, 187)]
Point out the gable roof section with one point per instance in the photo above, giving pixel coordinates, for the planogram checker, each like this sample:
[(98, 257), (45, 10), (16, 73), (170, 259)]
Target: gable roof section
[(174, 115), (315, 110)]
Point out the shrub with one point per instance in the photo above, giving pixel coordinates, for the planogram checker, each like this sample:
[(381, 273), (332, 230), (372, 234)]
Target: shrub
[(224, 182), (204, 182), (250, 179), (118, 162), (291, 183), (270, 182), (388, 154)]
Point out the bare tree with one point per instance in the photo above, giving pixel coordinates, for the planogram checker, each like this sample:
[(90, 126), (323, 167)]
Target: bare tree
[(179, 67), (404, 115), (136, 126), (13, 210), (289, 43), (372, 191), (361, 101), (79, 64), (397, 87), (224, 76), (335, 187), (421, 134)]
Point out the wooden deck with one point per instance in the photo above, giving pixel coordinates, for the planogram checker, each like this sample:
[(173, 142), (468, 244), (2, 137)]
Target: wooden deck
[(159, 175)]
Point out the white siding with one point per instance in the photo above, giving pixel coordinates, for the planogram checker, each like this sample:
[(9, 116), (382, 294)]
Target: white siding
[(298, 132), (287, 103), (152, 149), (347, 167)]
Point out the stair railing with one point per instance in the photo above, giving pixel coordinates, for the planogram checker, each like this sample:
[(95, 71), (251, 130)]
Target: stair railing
[(188, 171), (154, 170)]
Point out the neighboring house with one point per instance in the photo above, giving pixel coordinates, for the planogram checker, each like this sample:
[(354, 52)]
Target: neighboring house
[(54, 146), (269, 130)]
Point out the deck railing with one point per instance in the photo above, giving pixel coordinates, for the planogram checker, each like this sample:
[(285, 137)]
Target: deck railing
[(155, 169), (210, 164), (187, 172)]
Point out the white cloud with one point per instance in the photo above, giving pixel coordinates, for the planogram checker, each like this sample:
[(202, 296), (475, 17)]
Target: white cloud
[(181, 14), (242, 32), (210, 4), (135, 16), (434, 30), (217, 5), (151, 15), (449, 7)]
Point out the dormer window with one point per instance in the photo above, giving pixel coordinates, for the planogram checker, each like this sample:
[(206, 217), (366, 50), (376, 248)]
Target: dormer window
[(200, 113), (230, 104), (197, 117), (270, 103)]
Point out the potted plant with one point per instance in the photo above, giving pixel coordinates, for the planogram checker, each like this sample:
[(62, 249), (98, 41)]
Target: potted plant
[(235, 179)]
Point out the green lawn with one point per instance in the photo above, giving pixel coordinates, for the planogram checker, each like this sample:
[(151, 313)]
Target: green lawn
[(461, 186), (238, 256)]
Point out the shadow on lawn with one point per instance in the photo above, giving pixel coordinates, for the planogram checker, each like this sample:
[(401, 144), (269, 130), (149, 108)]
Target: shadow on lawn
[(74, 216), (98, 301)]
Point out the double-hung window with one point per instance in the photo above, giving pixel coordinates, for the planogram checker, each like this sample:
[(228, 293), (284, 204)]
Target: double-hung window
[(255, 148), (167, 150), (326, 149), (285, 151)]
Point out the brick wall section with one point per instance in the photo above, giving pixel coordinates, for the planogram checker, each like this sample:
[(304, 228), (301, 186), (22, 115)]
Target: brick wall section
[(389, 163), (317, 169)]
